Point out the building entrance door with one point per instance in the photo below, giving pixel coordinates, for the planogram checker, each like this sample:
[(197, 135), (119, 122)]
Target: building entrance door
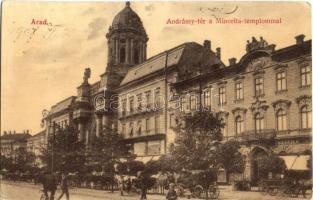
[(258, 156)]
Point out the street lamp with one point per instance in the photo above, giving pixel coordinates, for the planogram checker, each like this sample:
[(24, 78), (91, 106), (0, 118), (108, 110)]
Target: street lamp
[(45, 113)]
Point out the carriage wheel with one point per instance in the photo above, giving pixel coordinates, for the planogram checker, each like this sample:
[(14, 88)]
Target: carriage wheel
[(214, 192), (294, 193), (180, 191), (198, 191)]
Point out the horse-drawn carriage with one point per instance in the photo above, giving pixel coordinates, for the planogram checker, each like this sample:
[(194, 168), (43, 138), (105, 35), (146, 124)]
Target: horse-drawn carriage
[(198, 184), (283, 187)]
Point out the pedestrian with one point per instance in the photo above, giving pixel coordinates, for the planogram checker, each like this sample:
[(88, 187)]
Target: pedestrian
[(121, 184), (171, 194), (143, 186), (128, 185), (49, 184), (64, 186)]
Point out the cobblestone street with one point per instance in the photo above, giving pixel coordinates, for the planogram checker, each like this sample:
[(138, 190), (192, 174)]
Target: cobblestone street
[(26, 191)]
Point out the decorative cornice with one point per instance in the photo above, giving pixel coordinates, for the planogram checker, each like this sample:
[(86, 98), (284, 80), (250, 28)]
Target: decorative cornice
[(259, 72), (281, 104), (303, 59), (258, 106), (220, 113), (280, 66), (239, 110), (303, 97), (281, 101), (239, 77), (222, 82)]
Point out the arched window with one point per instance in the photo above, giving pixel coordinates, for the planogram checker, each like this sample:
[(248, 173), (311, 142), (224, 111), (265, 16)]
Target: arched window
[(122, 55), (239, 125), (281, 120), (259, 122), (306, 117)]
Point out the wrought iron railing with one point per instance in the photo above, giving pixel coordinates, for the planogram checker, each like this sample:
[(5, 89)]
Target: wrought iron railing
[(264, 134)]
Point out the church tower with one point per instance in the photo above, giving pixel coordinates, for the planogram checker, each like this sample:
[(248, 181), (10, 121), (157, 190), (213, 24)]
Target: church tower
[(127, 46), (127, 41)]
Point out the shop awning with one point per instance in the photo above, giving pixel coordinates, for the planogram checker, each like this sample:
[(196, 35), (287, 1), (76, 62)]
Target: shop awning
[(296, 162)]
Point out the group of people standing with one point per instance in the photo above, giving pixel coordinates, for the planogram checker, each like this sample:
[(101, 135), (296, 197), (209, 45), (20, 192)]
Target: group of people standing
[(50, 182), (142, 182)]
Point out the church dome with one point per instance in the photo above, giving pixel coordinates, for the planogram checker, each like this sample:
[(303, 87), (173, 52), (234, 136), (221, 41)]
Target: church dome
[(127, 19)]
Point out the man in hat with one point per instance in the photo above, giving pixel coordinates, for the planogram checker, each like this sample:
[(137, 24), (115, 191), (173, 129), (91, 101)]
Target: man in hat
[(171, 194)]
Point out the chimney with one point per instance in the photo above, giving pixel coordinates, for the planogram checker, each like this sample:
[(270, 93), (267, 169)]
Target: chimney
[(14, 132), (27, 131), (232, 61), (4, 133), (207, 44), (10, 132), (300, 39), (218, 52)]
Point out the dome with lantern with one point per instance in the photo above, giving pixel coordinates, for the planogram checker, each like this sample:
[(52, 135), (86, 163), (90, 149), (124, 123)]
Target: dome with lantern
[(127, 20)]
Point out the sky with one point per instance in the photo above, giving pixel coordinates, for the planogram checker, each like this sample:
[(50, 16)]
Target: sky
[(43, 64)]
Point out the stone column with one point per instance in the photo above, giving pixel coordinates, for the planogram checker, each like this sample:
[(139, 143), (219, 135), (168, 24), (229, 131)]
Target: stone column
[(140, 52), (116, 50), (99, 125), (248, 168), (144, 51), (81, 132), (105, 121), (127, 51), (109, 51), (87, 138), (132, 51)]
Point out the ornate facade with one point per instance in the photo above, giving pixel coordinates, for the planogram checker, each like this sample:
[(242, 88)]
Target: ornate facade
[(264, 99)]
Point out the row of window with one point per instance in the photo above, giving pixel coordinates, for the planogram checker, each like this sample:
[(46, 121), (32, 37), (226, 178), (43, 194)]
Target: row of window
[(143, 126), (143, 101), (61, 124), (281, 120), (147, 148), (281, 85)]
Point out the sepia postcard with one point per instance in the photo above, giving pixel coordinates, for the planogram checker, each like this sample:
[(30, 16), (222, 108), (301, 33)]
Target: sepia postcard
[(157, 100)]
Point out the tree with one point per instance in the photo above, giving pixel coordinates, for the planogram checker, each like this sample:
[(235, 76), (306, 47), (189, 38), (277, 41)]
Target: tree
[(272, 163), (195, 148), (230, 158), (106, 151), (64, 151), (5, 163)]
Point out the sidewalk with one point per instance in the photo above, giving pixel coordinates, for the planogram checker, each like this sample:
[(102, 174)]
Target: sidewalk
[(92, 192), (226, 193)]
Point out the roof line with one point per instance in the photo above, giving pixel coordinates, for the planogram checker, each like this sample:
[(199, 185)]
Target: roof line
[(161, 54), (64, 100)]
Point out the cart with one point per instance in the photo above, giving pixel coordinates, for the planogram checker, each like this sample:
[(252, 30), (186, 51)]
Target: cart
[(192, 184)]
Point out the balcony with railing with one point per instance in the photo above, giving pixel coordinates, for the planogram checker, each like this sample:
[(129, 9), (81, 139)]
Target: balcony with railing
[(257, 135), (138, 111)]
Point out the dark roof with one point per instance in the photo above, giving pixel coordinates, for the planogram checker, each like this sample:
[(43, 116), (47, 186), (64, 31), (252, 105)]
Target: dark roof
[(62, 105), (286, 53), (293, 51), (127, 19), (15, 137), (41, 133), (189, 52)]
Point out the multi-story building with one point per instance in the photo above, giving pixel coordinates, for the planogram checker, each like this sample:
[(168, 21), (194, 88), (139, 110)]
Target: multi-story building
[(12, 142), (264, 99), (35, 144)]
